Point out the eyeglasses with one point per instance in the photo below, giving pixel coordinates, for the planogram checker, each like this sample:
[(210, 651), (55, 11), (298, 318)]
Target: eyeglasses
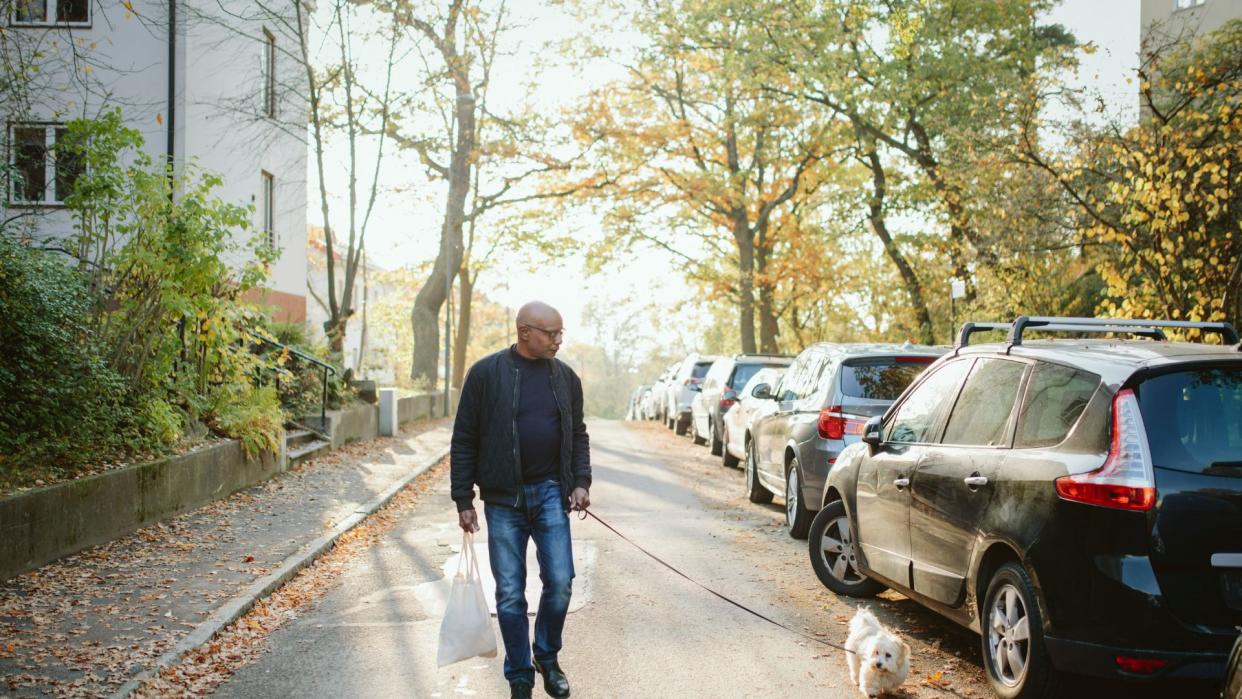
[(552, 334)]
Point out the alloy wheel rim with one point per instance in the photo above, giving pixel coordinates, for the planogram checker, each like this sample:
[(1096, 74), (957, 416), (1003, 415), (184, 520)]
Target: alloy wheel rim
[(837, 551), (791, 496), (1009, 636)]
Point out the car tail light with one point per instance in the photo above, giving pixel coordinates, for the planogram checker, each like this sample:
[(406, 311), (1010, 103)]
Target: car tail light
[(1125, 481), (1141, 666), (835, 424), (691, 381), (727, 399)]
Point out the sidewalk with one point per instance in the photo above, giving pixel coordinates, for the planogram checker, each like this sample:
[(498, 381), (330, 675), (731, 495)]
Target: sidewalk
[(86, 624)]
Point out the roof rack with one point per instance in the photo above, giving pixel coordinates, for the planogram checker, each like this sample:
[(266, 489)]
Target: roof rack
[(968, 329), (1145, 328)]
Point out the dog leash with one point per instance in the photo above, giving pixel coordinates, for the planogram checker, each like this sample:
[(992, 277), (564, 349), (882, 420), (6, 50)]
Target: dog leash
[(735, 603)]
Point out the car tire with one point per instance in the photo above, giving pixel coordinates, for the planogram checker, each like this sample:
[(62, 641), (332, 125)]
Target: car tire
[(1013, 635), (797, 516), (834, 553), (726, 459), (755, 491), (717, 445), (694, 433), (679, 427)]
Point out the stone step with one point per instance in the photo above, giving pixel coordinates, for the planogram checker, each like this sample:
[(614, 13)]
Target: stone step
[(298, 437), (307, 450)]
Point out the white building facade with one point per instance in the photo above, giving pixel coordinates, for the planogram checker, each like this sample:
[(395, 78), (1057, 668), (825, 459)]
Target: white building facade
[(217, 85)]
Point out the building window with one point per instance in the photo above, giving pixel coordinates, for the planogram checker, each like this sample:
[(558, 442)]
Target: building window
[(1186, 4), (74, 13), (269, 74), (268, 213), (40, 174)]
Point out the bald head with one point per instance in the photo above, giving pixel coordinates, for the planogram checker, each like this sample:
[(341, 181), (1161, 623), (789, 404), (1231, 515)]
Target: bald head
[(539, 330)]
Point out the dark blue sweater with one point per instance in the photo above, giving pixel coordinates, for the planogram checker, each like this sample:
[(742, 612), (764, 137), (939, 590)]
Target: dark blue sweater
[(538, 420)]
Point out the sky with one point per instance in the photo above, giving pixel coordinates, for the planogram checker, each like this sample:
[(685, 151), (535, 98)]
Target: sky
[(406, 226)]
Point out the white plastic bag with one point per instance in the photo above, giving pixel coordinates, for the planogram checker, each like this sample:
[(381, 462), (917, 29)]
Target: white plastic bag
[(467, 627)]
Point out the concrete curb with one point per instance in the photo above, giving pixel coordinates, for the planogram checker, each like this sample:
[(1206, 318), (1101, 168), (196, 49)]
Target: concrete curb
[(235, 608)]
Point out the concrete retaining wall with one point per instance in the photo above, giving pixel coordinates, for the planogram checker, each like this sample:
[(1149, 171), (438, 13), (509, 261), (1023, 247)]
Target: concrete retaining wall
[(42, 525), (362, 421), (39, 526)]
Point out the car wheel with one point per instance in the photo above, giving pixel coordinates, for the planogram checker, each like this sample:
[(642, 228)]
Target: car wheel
[(726, 459), (754, 490), (834, 553), (694, 433), (1013, 639), (717, 445), (797, 517), (680, 427)]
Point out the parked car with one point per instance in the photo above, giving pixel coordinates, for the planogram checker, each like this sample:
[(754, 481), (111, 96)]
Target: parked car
[(634, 410), (644, 404), (682, 386), (737, 419), (818, 409), (1078, 503), (659, 392), (719, 391)]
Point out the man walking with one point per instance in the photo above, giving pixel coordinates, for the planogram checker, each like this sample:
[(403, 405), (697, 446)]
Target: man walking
[(519, 436)]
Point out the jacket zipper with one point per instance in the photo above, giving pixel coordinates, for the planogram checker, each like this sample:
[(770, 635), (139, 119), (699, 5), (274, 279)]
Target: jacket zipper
[(517, 452)]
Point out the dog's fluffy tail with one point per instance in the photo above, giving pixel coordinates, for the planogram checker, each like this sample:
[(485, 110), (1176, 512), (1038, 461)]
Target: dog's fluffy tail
[(863, 622)]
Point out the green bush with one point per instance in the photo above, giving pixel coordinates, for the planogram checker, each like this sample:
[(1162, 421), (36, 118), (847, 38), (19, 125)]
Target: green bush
[(249, 414), (60, 402)]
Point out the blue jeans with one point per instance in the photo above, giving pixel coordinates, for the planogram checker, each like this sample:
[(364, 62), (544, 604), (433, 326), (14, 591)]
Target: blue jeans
[(541, 516)]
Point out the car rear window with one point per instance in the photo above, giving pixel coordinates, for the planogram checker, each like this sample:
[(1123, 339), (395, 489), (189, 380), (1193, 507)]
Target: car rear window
[(1194, 420), (744, 372), (1055, 398), (881, 379), (700, 370)]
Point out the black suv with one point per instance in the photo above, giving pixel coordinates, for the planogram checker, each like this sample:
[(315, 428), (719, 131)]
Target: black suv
[(1076, 502)]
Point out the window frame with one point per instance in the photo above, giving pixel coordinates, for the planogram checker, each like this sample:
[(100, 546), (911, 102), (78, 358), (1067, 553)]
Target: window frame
[(50, 180), (268, 192), (1011, 421), (1192, 4), (51, 22), (269, 74), (936, 430), (1025, 399)]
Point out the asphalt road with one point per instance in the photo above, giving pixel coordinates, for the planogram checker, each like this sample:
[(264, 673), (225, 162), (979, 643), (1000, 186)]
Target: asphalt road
[(635, 628)]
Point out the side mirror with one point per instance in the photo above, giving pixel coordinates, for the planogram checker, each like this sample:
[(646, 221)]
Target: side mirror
[(871, 431), (763, 391)]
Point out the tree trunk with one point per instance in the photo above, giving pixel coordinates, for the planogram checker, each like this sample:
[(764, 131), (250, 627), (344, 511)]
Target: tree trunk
[(910, 280), (465, 295), (746, 281), (433, 294), (768, 328)]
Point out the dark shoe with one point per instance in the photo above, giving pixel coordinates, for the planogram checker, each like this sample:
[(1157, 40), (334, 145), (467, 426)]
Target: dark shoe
[(519, 690), (554, 681)]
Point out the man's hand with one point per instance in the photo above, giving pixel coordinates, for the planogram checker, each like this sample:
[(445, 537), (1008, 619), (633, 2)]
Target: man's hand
[(468, 520), (579, 499)]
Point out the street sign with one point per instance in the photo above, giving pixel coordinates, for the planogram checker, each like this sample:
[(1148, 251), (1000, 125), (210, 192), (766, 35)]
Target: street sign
[(957, 289)]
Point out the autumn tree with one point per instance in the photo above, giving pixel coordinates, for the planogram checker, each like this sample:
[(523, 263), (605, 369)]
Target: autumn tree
[(1161, 198), (699, 149), (928, 88)]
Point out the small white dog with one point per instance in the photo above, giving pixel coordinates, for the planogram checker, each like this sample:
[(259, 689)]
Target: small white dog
[(879, 660)]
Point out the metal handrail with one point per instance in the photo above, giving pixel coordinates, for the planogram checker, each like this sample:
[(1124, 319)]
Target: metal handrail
[(327, 368)]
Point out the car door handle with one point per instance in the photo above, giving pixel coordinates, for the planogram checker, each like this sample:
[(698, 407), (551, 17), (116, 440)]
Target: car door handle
[(975, 481), (901, 483)]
